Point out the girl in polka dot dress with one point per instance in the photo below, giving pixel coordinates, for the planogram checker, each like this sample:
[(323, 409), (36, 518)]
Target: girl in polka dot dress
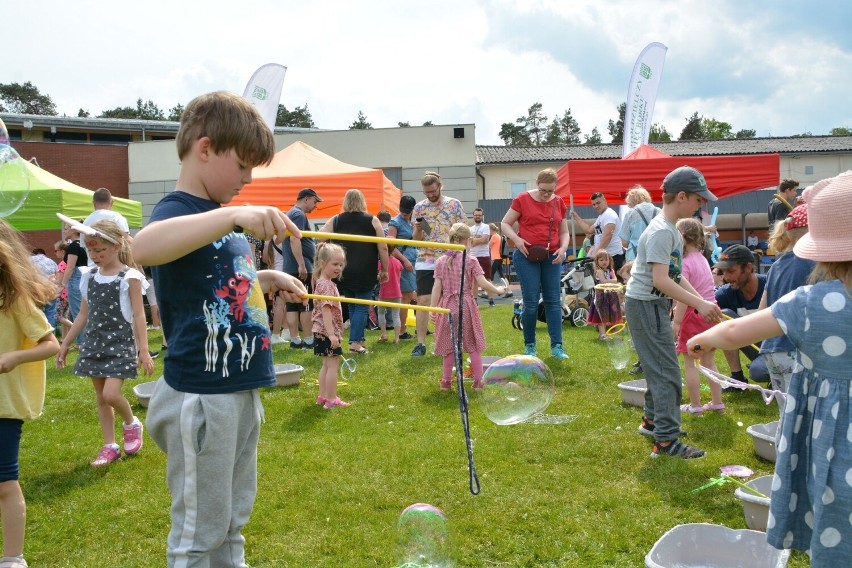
[(811, 496), (116, 339)]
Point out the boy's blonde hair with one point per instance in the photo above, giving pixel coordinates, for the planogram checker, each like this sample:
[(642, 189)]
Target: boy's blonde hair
[(547, 175), (326, 251), (692, 231), (459, 233), (20, 280), (111, 230), (230, 122)]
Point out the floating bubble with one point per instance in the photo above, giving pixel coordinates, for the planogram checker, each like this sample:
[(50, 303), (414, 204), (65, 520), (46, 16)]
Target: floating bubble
[(619, 351), (14, 181), (516, 388), (422, 537)]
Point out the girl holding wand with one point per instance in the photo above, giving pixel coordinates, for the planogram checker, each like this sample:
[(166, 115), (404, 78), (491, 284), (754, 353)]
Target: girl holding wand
[(116, 339), (327, 319), (446, 293), (26, 340), (812, 487)]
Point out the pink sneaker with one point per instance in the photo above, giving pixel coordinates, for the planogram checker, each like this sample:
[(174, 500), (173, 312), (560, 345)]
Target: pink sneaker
[(695, 410), (334, 403), (717, 407), (446, 384), (321, 400), (477, 385), (133, 437), (108, 454)]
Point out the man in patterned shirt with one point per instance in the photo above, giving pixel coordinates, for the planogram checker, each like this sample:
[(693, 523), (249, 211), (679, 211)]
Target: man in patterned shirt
[(433, 218)]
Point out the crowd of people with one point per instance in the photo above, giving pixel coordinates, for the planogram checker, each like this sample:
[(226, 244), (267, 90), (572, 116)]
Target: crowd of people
[(205, 412)]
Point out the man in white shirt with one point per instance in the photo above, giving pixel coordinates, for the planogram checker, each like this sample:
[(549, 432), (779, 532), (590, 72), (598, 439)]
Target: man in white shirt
[(606, 228), (480, 249), (102, 202)]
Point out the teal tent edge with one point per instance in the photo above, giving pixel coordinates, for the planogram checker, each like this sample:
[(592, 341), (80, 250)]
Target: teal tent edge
[(44, 194)]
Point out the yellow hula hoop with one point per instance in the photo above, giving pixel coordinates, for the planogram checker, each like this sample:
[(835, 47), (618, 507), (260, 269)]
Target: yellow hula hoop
[(616, 329), (784, 201), (376, 303)]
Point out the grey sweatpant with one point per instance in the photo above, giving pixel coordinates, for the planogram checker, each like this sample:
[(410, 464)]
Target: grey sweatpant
[(651, 330), (211, 444)]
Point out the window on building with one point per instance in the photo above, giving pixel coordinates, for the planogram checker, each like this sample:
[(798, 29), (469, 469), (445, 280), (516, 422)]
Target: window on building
[(809, 170), (518, 187), (103, 138), (66, 137)]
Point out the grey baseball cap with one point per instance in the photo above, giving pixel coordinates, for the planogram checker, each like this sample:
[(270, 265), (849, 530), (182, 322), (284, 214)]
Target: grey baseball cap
[(689, 180)]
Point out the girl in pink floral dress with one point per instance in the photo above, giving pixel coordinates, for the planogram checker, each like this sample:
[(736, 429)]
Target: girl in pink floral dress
[(446, 294)]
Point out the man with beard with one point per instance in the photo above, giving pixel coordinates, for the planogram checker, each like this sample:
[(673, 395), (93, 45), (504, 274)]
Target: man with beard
[(433, 218), (739, 296)]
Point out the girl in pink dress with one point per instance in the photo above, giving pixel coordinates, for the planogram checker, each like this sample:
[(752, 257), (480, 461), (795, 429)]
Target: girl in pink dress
[(446, 294)]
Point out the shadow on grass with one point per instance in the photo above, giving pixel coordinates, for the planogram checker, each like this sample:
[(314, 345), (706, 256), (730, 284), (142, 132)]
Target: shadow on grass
[(304, 419), (58, 483)]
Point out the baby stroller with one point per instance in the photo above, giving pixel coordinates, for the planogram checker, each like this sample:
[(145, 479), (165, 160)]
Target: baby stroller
[(577, 286)]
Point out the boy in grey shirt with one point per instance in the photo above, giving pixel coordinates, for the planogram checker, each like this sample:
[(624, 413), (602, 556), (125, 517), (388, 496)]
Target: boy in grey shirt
[(656, 278)]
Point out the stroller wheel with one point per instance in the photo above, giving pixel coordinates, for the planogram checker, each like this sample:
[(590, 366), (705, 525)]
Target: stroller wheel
[(579, 316), (516, 322)]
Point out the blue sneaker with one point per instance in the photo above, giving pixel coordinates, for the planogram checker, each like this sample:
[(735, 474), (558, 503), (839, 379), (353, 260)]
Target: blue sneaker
[(529, 349), (558, 352)]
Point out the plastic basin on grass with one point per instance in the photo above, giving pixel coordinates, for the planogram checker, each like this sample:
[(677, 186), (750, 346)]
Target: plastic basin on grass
[(755, 508), (633, 392), (288, 374), (143, 392), (763, 436), (702, 545)]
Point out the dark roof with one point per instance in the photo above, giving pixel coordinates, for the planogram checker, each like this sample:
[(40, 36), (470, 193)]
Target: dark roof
[(486, 155)]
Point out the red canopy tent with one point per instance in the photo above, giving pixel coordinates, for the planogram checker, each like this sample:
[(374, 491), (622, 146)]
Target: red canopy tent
[(299, 165), (646, 166)]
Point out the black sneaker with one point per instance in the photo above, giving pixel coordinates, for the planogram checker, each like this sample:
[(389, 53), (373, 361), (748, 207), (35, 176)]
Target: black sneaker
[(300, 345), (419, 350), (429, 332), (636, 369), (154, 354), (646, 428), (677, 449), (406, 335)]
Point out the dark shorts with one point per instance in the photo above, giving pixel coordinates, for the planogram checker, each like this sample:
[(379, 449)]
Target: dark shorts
[(485, 263), (299, 307), (322, 347), (425, 282), (10, 445)]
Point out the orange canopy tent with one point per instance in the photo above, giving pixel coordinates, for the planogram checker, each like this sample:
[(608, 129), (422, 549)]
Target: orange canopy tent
[(647, 166), (299, 165)]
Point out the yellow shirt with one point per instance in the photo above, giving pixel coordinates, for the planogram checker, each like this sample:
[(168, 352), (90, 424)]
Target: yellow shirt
[(22, 389)]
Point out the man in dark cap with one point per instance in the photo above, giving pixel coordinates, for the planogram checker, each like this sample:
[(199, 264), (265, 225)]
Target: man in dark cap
[(298, 261), (739, 296)]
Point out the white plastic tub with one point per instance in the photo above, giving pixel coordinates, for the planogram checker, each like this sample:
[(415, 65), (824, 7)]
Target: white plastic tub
[(701, 545), (755, 508), (143, 392), (288, 374), (633, 392), (763, 436)]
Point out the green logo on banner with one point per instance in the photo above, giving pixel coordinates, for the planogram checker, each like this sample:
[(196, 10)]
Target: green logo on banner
[(259, 93), (645, 71)]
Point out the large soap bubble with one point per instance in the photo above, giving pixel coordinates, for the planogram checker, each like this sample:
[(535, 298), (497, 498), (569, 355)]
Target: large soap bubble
[(14, 177), (516, 388), (422, 537)]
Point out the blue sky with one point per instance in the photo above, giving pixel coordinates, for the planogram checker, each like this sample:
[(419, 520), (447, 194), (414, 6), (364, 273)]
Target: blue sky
[(778, 67)]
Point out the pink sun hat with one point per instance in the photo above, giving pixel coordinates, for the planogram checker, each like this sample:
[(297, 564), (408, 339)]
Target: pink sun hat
[(830, 232)]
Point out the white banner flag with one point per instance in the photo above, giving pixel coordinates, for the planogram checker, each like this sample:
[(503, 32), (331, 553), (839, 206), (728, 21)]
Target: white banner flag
[(264, 91), (641, 96)]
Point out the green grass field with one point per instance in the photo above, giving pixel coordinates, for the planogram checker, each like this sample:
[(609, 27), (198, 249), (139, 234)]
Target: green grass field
[(333, 483)]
